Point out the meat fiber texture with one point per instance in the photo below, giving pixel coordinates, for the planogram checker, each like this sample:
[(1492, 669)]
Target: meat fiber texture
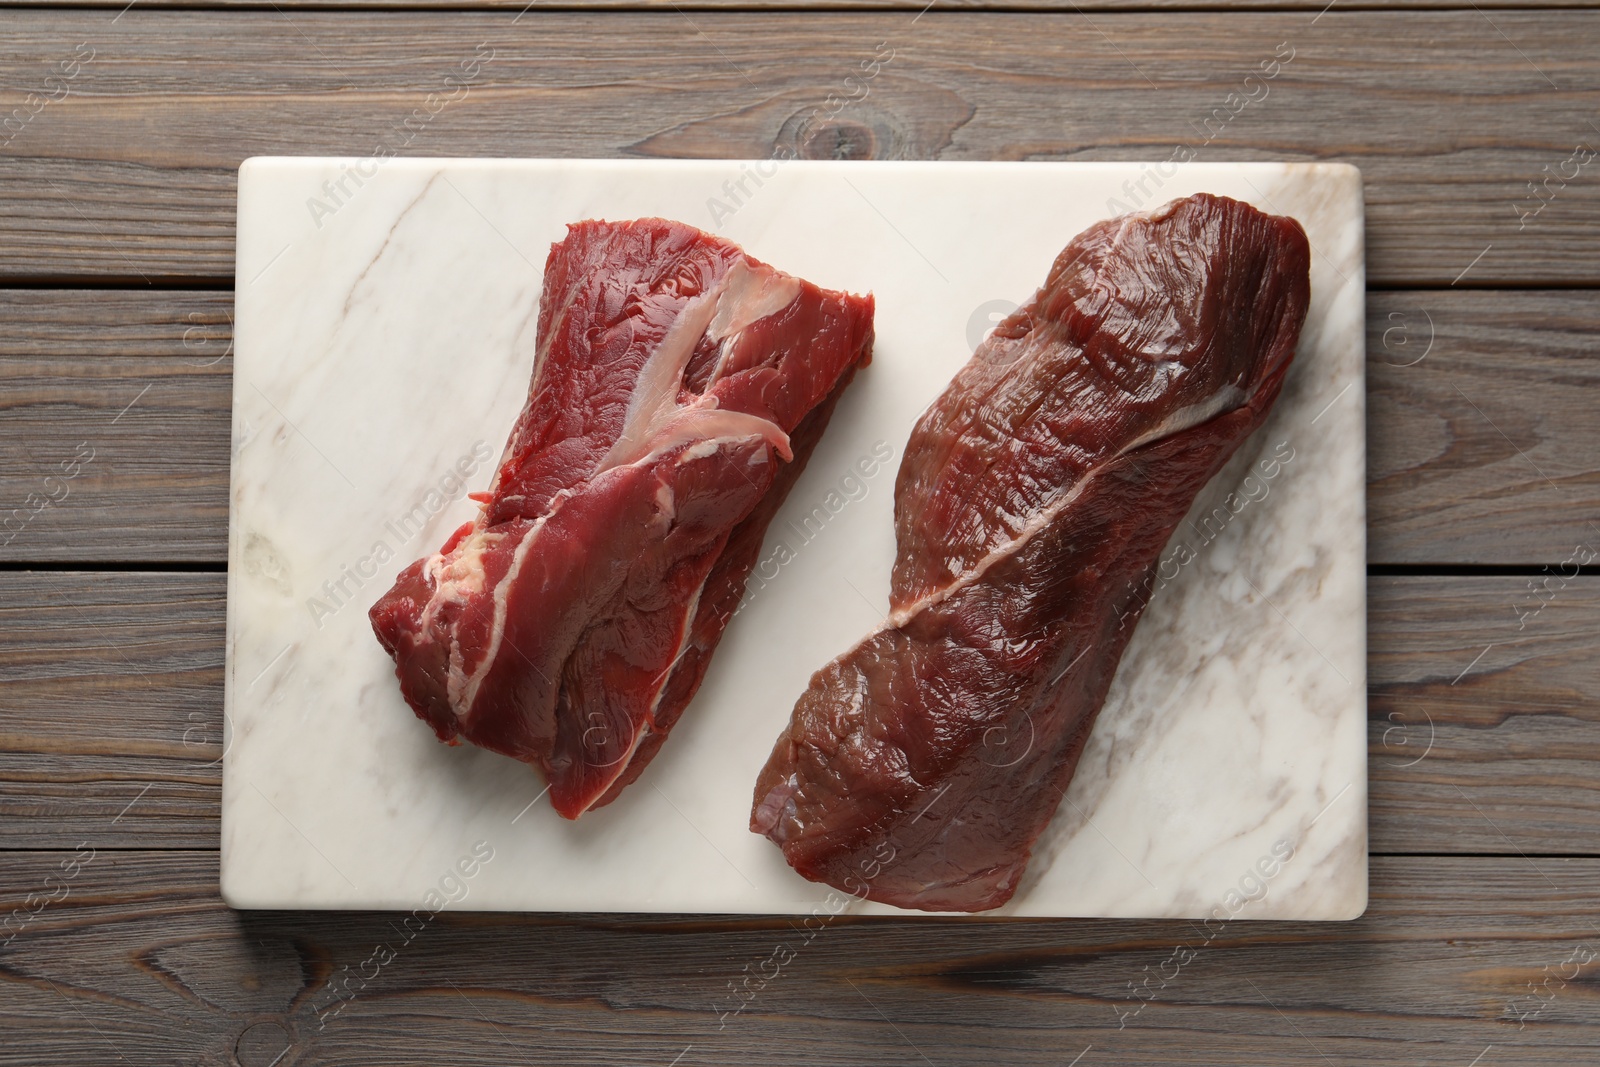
[(678, 388), (1032, 504)]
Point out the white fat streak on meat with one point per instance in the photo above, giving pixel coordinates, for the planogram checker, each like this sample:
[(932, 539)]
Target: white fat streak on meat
[(457, 576), (655, 422), (461, 702), (1226, 398), (455, 579), (749, 296)]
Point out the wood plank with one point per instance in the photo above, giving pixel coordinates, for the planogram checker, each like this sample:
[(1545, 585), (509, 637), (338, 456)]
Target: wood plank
[(131, 173), (113, 682), (114, 440), (113, 695), (1458, 438), (1484, 714), (138, 959), (1482, 441)]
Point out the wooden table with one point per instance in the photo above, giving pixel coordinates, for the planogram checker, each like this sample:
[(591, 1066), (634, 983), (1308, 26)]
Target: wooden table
[(116, 250)]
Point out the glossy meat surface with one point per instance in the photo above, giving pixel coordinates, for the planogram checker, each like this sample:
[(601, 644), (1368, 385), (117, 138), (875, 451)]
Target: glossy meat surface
[(678, 388), (1033, 500)]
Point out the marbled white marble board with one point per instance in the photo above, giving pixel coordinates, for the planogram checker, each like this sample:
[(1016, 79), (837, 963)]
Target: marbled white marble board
[(385, 330)]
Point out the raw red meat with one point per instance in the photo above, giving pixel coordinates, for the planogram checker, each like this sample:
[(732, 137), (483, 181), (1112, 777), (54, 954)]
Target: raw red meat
[(678, 388), (1033, 501)]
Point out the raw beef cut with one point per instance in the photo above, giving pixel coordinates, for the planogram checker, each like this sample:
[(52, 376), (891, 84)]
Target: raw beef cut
[(678, 388), (1032, 504)]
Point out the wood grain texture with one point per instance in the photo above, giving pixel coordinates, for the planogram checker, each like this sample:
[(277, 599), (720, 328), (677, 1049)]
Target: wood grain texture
[(1484, 714), (1482, 448), (130, 174), (137, 386), (114, 682), (138, 961), (112, 687)]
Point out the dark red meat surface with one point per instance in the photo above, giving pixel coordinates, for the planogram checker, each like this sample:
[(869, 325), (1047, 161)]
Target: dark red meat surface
[(678, 389), (1032, 504)]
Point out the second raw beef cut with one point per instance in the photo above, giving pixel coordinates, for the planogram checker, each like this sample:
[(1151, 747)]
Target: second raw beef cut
[(1033, 501)]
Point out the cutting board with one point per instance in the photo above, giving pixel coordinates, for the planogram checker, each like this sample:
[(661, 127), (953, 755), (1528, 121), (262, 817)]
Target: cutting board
[(385, 317)]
